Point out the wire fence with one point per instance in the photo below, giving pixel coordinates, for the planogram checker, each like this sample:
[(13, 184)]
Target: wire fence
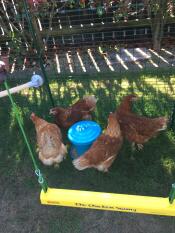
[(79, 40), (76, 39)]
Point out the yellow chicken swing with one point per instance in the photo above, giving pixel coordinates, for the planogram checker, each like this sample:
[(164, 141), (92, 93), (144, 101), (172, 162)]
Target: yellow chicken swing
[(95, 200)]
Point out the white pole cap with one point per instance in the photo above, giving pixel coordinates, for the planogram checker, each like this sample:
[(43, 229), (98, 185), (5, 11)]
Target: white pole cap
[(36, 81)]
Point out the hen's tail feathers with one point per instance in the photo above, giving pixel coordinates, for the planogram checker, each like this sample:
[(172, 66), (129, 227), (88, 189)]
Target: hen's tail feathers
[(162, 123), (91, 101), (81, 163)]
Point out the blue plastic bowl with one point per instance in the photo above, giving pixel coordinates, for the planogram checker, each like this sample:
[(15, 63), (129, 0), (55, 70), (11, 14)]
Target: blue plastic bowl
[(82, 134)]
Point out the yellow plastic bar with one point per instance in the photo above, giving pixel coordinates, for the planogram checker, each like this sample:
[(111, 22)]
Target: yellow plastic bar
[(108, 201)]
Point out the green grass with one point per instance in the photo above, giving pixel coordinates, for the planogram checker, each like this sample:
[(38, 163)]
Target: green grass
[(151, 172)]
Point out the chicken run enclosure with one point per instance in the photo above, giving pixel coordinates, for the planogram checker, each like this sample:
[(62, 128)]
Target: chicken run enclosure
[(108, 49)]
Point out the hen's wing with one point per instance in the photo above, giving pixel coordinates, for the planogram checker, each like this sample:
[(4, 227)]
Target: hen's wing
[(77, 111), (81, 105), (49, 141), (103, 148), (101, 154), (137, 124), (64, 119), (133, 135), (74, 116)]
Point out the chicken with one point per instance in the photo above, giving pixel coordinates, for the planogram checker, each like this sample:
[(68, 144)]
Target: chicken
[(126, 104), (135, 128), (81, 110), (49, 139), (104, 150)]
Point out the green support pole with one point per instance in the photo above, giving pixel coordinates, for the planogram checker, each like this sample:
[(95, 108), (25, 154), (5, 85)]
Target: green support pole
[(172, 194), (172, 118), (38, 51)]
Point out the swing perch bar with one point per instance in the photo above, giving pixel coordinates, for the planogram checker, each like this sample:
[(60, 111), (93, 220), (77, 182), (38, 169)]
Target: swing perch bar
[(96, 200), (108, 201)]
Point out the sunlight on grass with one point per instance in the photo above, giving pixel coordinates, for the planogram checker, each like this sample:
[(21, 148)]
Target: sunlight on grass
[(125, 85), (155, 93)]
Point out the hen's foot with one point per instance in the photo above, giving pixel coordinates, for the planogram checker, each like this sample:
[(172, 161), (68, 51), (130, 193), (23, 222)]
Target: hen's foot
[(56, 165), (133, 146), (139, 146)]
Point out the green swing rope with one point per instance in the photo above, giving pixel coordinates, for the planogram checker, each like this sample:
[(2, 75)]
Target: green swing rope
[(41, 179)]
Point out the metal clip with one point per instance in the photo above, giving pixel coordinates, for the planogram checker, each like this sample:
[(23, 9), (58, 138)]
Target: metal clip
[(40, 176)]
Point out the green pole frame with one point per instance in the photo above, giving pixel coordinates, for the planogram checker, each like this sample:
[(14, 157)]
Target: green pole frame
[(172, 194), (172, 118), (38, 52)]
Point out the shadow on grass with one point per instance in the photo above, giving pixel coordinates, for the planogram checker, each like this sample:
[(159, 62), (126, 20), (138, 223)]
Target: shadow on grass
[(150, 173)]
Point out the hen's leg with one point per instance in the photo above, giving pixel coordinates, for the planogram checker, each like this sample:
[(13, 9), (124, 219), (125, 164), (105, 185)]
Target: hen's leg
[(133, 146), (56, 165), (105, 170)]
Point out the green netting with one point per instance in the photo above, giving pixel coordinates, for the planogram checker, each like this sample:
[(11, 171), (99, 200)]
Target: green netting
[(153, 80)]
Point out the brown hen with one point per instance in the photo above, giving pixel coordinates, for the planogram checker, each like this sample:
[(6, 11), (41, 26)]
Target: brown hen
[(104, 150), (138, 129), (81, 110), (49, 139)]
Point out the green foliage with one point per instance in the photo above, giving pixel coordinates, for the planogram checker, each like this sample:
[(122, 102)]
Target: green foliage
[(155, 8), (16, 111), (71, 3), (100, 11), (16, 46)]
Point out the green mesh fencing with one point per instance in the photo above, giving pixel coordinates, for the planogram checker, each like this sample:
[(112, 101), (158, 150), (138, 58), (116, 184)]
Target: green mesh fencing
[(109, 65)]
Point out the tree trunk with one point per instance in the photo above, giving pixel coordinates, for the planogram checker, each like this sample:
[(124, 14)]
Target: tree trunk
[(158, 24), (157, 35), (157, 11)]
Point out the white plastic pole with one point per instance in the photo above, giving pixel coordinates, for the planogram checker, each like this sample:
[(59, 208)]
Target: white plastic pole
[(36, 81)]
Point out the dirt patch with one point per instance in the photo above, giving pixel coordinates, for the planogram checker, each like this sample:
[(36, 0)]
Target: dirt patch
[(21, 212)]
